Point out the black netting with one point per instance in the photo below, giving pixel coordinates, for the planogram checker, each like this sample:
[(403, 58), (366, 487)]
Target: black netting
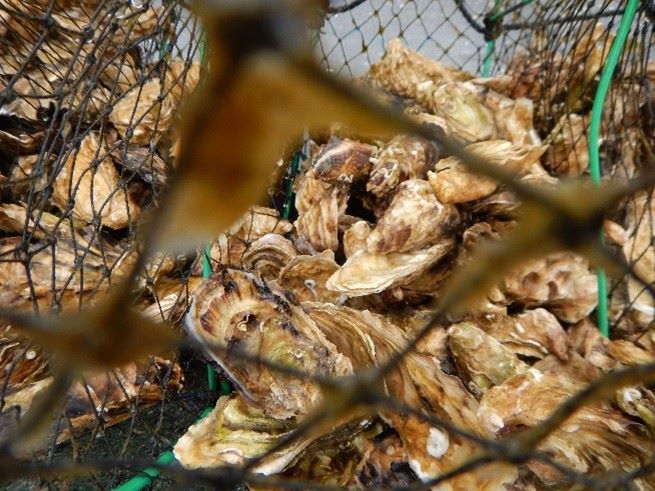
[(89, 147)]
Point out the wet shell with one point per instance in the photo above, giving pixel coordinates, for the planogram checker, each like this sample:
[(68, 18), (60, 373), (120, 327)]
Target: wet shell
[(305, 277), (89, 177), (414, 220), (268, 255), (343, 161), (561, 282), (453, 183), (365, 272), (482, 360), (239, 310)]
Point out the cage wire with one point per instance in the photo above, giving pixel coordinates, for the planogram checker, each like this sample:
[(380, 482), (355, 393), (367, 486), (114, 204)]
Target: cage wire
[(89, 104)]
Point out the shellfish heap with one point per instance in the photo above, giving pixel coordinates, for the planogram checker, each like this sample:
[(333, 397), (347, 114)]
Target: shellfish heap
[(86, 143), (380, 227)]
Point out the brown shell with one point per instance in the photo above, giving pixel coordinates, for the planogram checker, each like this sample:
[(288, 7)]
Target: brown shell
[(365, 272), (320, 205), (354, 239), (268, 255), (403, 157), (237, 309), (534, 333), (588, 441), (140, 116), (94, 187), (305, 277), (568, 152), (514, 118), (639, 251), (560, 282), (343, 161), (453, 183), (410, 74), (482, 360), (414, 220)]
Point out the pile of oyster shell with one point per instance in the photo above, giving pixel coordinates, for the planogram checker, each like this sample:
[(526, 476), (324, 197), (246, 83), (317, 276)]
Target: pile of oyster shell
[(87, 142), (380, 227)]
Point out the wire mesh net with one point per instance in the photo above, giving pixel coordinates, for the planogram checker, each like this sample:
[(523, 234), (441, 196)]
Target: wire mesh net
[(90, 142)]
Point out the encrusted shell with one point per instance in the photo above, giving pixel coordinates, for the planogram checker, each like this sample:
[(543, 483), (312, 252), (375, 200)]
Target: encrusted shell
[(588, 441), (403, 157), (410, 74), (234, 431)]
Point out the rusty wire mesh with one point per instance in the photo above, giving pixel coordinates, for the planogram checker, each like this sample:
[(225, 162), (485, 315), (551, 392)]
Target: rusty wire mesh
[(67, 70)]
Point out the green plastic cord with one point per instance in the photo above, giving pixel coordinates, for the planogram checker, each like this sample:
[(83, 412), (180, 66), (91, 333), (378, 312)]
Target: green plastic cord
[(594, 133), (490, 46)]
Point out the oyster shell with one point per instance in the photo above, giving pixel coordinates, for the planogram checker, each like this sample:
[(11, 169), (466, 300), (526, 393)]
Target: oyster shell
[(568, 152), (89, 178), (453, 183), (237, 309), (343, 161), (589, 441), (354, 239), (462, 109), (482, 360), (639, 251), (403, 157), (368, 339), (268, 255), (560, 282), (140, 115), (305, 277), (320, 205), (414, 220), (534, 333), (235, 431), (365, 272), (410, 74), (514, 118)]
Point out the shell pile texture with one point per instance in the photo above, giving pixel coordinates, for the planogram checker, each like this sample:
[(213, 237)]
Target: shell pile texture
[(341, 286), (87, 145)]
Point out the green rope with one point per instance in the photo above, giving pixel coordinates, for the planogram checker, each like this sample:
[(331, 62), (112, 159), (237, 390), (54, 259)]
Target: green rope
[(594, 133), (490, 46)]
